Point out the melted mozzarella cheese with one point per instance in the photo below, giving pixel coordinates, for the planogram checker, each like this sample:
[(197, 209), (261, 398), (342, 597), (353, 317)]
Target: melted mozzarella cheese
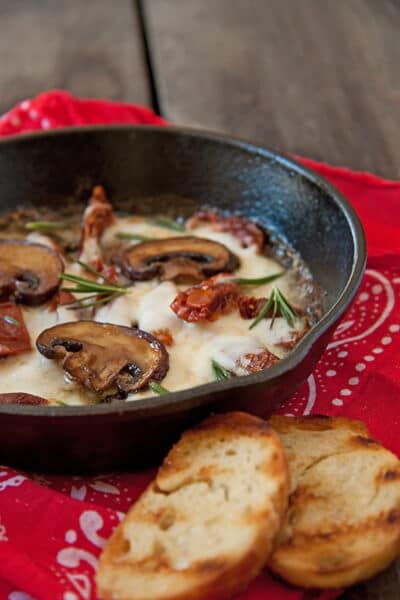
[(136, 226), (147, 306), (32, 373), (155, 312)]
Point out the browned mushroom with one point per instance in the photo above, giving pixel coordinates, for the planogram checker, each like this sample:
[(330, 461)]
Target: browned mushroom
[(29, 273), (105, 358), (22, 398), (182, 259)]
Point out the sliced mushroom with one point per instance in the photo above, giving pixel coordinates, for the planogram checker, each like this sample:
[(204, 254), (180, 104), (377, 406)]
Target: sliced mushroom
[(29, 273), (105, 358), (22, 398), (182, 259)]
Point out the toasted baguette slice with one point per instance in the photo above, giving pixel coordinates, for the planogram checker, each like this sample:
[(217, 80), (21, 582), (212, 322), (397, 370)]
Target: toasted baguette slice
[(343, 522), (206, 525)]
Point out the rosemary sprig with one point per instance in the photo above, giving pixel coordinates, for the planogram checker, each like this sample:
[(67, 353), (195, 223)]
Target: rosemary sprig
[(82, 302), (157, 388), (220, 373), (132, 236), (97, 293), (259, 281), (279, 305), (170, 224), (44, 225), (11, 321), (93, 271), (76, 290), (88, 285)]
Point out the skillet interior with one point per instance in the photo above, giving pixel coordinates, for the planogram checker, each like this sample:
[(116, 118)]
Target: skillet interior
[(175, 171)]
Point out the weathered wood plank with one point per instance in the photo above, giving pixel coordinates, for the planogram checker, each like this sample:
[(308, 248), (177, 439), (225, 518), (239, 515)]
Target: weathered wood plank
[(385, 586), (316, 77), (91, 48)]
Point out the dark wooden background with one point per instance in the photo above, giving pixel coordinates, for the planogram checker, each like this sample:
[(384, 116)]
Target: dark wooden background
[(319, 78)]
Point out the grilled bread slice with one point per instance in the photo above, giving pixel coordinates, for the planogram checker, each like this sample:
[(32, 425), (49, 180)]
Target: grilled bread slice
[(343, 522), (207, 524)]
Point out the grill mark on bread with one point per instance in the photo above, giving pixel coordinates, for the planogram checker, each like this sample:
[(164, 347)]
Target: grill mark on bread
[(385, 520), (343, 521), (319, 460), (238, 423), (393, 517), (204, 476), (316, 423), (167, 519), (391, 475), (387, 477), (366, 442), (210, 565)]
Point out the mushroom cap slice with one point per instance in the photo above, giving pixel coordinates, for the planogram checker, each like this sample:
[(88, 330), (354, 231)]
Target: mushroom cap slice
[(183, 259), (29, 273), (22, 398), (105, 357)]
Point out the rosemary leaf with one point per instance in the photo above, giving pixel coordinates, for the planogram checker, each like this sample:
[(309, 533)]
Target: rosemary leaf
[(170, 224), (11, 321), (157, 388), (90, 285), (79, 290), (81, 303), (286, 309), (93, 271), (132, 236), (61, 403), (259, 281), (220, 373), (44, 225), (97, 293), (76, 300), (263, 312), (279, 305)]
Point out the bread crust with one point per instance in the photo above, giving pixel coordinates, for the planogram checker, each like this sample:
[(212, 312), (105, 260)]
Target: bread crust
[(197, 500), (343, 521)]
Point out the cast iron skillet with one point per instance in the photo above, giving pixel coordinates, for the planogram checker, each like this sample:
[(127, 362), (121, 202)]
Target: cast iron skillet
[(175, 171)]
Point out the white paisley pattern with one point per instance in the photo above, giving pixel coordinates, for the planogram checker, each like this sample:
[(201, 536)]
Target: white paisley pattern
[(366, 332), (353, 346), (74, 559)]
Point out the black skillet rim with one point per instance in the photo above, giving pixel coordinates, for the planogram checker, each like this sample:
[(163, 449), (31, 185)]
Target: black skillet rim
[(287, 364)]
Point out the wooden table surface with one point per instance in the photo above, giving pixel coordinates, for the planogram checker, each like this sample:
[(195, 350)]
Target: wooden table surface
[(319, 78)]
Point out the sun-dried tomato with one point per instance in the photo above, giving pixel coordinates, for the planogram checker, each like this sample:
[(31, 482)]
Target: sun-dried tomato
[(206, 301), (247, 232), (108, 271), (59, 299), (295, 337), (164, 336), (203, 216), (97, 217), (252, 363), (14, 336), (249, 306)]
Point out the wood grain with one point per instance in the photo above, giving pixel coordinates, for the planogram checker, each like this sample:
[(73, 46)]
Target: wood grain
[(385, 586), (91, 48), (315, 77)]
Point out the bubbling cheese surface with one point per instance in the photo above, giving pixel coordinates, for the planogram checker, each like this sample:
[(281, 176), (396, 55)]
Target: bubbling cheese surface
[(147, 306)]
